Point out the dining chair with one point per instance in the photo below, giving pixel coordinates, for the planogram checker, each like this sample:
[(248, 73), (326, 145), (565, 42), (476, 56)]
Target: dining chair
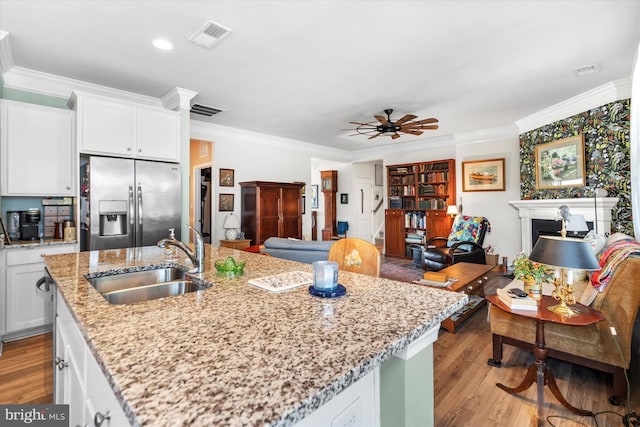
[(356, 255)]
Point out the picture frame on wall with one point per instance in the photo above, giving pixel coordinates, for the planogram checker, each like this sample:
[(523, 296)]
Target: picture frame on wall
[(227, 177), (304, 204), (314, 196), (344, 198), (560, 163), (225, 202), (483, 175)]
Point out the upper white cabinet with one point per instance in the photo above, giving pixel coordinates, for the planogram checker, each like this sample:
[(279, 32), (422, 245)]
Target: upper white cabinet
[(37, 150), (113, 127)]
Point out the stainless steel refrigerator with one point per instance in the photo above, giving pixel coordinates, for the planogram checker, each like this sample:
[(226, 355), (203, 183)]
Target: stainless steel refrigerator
[(127, 203)]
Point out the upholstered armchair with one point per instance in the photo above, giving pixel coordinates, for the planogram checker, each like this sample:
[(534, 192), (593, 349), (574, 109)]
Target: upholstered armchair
[(464, 244)]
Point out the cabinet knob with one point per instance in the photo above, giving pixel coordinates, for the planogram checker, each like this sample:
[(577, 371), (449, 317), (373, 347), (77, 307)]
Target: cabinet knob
[(98, 418), (128, 148), (60, 363), (67, 187), (139, 150)]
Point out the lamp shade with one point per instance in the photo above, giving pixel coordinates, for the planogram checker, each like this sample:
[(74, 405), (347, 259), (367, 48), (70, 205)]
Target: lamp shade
[(231, 221), (452, 210), (565, 253), (577, 223)]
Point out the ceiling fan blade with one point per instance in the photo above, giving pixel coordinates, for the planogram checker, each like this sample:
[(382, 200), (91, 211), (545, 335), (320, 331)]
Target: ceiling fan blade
[(425, 121), (434, 127), (406, 118), (395, 136), (411, 131), (382, 119), (376, 135)]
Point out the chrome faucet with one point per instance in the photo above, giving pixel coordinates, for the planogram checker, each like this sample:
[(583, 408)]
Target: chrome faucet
[(196, 257)]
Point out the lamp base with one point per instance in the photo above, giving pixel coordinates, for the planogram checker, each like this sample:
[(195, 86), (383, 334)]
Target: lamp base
[(563, 310), (231, 234)]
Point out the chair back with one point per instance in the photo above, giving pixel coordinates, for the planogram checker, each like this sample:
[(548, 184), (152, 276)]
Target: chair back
[(356, 256), (468, 229), (341, 228)]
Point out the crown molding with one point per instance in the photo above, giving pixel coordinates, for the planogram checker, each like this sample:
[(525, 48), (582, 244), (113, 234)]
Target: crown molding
[(178, 99), (6, 55), (609, 92), (52, 85), (211, 131)]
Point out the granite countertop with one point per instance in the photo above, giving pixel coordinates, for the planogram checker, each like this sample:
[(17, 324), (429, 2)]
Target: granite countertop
[(17, 244), (234, 354)]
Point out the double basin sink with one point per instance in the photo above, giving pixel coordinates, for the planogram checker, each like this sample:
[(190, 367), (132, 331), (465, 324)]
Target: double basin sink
[(139, 286)]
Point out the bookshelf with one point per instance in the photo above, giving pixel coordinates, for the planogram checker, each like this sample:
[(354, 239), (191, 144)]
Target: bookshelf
[(418, 195)]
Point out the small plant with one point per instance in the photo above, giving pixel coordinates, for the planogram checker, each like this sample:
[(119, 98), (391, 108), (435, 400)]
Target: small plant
[(529, 271)]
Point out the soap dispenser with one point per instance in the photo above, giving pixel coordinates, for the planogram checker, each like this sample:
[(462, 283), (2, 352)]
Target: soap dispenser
[(170, 251)]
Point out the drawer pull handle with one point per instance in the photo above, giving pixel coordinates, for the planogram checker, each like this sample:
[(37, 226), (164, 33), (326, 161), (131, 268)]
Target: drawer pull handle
[(98, 418), (61, 364)]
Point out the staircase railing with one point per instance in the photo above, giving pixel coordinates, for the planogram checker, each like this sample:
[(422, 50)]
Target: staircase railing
[(379, 205)]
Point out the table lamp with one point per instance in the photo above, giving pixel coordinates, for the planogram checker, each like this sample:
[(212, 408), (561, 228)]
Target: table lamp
[(452, 210), (231, 226), (564, 253)]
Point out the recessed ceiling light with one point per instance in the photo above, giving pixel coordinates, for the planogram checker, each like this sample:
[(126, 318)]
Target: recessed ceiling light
[(162, 44)]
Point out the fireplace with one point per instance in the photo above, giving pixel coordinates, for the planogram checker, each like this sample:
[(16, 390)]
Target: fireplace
[(550, 227), (597, 213)]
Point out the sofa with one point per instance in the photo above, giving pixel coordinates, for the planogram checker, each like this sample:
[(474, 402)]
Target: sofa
[(592, 346), (306, 251)]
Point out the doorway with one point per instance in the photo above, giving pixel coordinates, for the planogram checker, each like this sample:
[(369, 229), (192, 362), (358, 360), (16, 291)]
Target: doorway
[(363, 214), (202, 207)]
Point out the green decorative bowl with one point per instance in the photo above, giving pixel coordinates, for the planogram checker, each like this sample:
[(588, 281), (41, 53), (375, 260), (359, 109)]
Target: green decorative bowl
[(230, 267)]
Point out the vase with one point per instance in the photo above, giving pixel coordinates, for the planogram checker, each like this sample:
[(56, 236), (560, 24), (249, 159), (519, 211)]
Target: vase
[(533, 289)]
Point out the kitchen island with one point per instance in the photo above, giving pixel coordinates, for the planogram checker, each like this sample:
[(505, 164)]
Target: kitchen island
[(234, 354)]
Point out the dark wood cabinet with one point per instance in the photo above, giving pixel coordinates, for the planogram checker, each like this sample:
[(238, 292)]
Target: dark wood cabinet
[(421, 193), (271, 209), (394, 232), (438, 224)]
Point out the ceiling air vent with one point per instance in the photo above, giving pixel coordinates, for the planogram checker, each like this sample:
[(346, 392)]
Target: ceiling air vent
[(587, 69), (205, 110), (210, 34)]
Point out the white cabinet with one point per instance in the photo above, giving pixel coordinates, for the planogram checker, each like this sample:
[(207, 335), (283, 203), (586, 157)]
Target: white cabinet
[(24, 309), (79, 381), (112, 127), (37, 150), (355, 406), (106, 127)]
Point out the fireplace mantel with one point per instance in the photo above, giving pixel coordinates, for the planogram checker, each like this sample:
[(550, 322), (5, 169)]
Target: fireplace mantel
[(548, 209)]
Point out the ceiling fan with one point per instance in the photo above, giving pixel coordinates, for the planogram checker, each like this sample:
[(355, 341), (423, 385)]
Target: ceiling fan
[(386, 126)]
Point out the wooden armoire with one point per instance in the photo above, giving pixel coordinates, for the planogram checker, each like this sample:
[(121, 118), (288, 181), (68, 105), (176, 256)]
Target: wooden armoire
[(271, 209)]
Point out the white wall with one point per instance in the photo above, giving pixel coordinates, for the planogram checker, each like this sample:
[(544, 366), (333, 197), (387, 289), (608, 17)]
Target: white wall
[(256, 157)]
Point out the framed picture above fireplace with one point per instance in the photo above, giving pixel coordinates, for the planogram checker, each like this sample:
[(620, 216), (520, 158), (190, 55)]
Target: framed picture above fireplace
[(560, 163)]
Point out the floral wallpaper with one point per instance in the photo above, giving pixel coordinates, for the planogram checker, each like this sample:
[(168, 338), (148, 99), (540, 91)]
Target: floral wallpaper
[(607, 143)]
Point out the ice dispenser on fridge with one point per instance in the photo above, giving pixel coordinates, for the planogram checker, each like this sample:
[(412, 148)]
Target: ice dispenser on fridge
[(113, 217)]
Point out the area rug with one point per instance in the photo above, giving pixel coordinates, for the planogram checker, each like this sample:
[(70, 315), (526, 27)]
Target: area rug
[(406, 273)]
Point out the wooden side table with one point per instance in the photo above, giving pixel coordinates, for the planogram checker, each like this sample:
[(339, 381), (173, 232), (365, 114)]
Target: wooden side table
[(471, 278), (538, 371), (235, 244)]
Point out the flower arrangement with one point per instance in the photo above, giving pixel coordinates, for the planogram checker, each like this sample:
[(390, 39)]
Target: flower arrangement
[(529, 271)]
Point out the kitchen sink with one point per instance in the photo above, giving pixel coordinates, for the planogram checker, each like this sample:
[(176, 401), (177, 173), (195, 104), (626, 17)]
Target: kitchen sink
[(138, 286), (118, 282), (153, 291)]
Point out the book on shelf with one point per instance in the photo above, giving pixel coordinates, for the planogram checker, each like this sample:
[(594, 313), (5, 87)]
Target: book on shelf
[(517, 303)]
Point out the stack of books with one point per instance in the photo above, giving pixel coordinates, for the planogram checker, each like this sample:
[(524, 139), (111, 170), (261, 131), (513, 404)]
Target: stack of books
[(516, 303)]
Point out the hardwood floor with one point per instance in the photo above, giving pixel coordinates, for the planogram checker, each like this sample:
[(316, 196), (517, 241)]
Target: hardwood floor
[(464, 385), (26, 371)]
